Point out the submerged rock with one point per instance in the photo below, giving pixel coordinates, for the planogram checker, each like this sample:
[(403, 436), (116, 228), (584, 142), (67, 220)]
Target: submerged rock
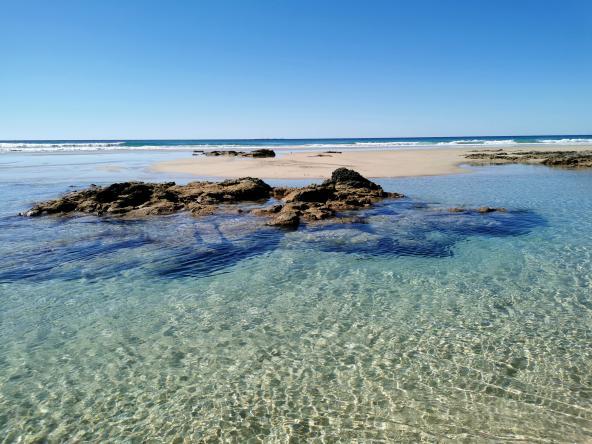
[(481, 210), (484, 210)]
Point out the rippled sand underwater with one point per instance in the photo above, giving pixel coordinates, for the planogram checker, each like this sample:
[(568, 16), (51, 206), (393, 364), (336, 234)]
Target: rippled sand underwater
[(417, 325)]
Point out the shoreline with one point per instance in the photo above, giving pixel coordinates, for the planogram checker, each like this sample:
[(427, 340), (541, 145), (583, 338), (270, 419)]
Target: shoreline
[(303, 148), (319, 165)]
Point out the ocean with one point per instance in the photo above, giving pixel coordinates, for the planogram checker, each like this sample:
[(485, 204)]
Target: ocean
[(283, 144), (415, 325)]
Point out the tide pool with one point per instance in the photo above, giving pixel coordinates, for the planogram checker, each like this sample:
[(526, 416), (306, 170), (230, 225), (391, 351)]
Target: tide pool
[(415, 324)]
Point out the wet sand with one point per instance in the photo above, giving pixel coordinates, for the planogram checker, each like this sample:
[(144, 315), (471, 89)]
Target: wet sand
[(319, 165)]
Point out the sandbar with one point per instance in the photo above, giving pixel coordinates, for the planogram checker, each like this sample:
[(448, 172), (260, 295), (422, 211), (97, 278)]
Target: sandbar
[(319, 165)]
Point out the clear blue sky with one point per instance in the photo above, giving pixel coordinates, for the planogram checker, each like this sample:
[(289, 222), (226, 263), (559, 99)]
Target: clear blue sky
[(256, 68)]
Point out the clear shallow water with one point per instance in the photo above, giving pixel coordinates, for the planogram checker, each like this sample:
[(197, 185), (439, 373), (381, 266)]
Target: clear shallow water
[(416, 325)]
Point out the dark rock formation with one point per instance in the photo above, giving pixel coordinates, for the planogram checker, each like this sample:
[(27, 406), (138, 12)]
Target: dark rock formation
[(578, 160), (260, 153), (287, 218), (326, 154), (231, 153), (137, 199), (564, 159), (345, 190), (482, 210), (350, 178)]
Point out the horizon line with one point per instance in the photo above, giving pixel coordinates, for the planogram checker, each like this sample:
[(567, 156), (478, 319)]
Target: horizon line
[(293, 138)]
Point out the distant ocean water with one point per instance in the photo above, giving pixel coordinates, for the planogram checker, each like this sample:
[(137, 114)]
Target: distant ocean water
[(360, 143)]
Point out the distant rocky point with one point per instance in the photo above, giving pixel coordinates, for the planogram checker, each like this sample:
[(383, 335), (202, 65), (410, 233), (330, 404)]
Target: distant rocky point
[(231, 153), (565, 159)]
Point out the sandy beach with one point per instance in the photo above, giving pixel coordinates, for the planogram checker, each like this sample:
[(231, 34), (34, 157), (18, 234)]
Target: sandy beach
[(319, 165)]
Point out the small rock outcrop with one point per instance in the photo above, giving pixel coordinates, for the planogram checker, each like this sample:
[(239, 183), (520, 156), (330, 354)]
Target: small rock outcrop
[(260, 153), (345, 190), (564, 159), (264, 152)]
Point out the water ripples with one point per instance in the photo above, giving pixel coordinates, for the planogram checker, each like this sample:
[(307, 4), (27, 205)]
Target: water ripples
[(94, 248), (416, 325)]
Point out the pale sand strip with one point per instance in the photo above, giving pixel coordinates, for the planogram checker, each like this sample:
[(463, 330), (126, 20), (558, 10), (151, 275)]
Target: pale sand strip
[(309, 165)]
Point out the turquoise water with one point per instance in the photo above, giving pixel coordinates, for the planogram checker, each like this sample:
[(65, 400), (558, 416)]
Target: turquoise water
[(335, 143), (417, 325)]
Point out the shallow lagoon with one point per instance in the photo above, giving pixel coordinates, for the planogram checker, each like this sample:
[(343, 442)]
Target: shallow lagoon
[(415, 325)]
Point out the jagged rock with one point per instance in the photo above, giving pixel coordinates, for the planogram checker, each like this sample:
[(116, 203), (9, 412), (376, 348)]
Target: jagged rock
[(565, 159), (280, 192), (287, 218), (198, 209), (267, 211), (350, 178), (569, 161), (312, 193), (154, 209), (346, 190), (137, 199), (264, 152), (260, 153), (490, 210), (231, 153), (318, 213)]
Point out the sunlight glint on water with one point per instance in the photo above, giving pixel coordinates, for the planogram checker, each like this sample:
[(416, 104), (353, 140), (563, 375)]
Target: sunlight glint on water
[(296, 335)]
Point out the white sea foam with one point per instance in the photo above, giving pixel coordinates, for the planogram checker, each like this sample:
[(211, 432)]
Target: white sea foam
[(42, 147), (48, 147), (567, 141), (479, 142), (57, 147)]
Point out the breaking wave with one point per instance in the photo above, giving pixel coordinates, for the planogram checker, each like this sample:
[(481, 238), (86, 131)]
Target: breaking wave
[(57, 146), (285, 144)]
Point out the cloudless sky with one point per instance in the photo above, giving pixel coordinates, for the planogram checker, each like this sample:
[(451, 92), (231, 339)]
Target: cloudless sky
[(111, 69)]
